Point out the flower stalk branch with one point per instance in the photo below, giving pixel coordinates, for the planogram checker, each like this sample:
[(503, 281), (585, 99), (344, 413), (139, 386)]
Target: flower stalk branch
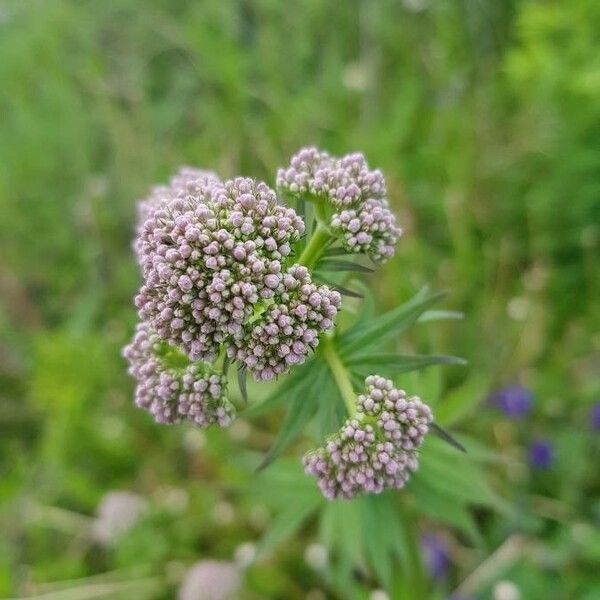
[(315, 247), (340, 374)]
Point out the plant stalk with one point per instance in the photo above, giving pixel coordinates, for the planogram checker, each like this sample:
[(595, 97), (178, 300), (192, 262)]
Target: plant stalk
[(340, 374), (315, 246)]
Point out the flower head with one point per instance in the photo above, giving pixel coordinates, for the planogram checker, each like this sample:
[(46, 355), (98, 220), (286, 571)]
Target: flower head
[(210, 257), (289, 328), (171, 388), (376, 449), (355, 195)]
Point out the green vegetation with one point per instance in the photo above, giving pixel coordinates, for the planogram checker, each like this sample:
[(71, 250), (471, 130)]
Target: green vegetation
[(484, 117)]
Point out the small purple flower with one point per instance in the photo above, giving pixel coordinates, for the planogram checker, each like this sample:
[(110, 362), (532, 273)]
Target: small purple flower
[(595, 416), (436, 556), (541, 455), (514, 401)]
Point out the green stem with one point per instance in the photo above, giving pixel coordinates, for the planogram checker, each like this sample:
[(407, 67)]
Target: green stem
[(340, 374), (315, 246)]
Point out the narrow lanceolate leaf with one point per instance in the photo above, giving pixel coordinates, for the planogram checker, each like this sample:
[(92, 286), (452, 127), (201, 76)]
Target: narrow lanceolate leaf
[(301, 409), (444, 435), (343, 265), (287, 523), (336, 286), (392, 323), (440, 315), (241, 377), (335, 251), (389, 365)]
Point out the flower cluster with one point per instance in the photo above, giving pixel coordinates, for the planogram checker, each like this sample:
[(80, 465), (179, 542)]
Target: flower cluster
[(289, 328), (178, 184), (210, 257), (376, 449), (160, 195), (171, 388), (355, 195)]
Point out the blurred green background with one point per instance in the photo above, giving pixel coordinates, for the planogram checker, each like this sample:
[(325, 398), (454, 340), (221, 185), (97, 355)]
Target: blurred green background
[(485, 117)]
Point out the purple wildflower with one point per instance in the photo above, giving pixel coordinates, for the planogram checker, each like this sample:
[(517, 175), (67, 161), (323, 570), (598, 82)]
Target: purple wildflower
[(377, 449), (541, 455), (514, 401), (595, 416), (171, 388), (211, 580), (285, 333), (210, 257), (436, 556), (355, 195)]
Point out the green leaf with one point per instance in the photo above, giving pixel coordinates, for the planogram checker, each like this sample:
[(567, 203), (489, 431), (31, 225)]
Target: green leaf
[(455, 476), (435, 506), (440, 315), (446, 437), (241, 377), (302, 407), (335, 251), (331, 411), (382, 533), (392, 323), (336, 286), (287, 523), (343, 265), (389, 364), (462, 401)]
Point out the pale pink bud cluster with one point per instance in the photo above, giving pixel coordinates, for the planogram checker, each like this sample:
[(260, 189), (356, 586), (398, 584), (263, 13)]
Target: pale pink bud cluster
[(288, 329), (171, 388), (186, 178), (375, 450), (209, 256), (357, 196)]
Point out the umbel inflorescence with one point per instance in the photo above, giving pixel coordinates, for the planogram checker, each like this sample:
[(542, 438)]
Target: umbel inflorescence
[(352, 197), (375, 449), (228, 277)]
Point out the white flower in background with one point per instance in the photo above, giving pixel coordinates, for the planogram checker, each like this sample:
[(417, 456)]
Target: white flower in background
[(211, 580), (117, 513), (506, 590)]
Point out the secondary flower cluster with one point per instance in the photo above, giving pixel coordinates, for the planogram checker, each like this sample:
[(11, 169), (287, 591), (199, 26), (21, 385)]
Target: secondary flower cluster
[(289, 328), (171, 388), (377, 449), (354, 195)]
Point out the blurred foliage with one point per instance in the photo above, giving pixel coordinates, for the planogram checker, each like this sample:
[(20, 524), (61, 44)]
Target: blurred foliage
[(485, 117)]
